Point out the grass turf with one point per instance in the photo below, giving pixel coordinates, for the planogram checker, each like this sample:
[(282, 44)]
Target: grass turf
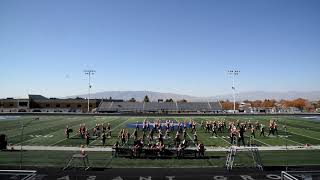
[(49, 131)]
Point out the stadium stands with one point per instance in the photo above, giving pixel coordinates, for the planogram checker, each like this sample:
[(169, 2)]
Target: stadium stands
[(159, 107)]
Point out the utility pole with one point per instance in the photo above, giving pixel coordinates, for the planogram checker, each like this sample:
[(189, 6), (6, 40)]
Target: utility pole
[(89, 73), (234, 73)]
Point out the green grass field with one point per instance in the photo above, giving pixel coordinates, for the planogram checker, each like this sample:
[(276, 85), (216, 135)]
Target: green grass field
[(49, 131)]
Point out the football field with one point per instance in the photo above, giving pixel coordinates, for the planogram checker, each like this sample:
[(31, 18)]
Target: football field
[(48, 132)]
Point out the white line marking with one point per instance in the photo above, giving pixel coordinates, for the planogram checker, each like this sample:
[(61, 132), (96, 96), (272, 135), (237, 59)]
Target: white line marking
[(304, 135), (292, 141)]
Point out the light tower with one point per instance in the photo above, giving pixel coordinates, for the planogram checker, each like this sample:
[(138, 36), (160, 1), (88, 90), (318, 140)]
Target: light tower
[(89, 73), (234, 73)]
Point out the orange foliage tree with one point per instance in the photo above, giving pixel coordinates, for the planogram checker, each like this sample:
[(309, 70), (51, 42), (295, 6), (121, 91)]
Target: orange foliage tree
[(227, 105)]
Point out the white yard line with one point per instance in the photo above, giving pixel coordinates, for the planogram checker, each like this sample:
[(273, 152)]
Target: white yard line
[(255, 139), (41, 128), (224, 139), (44, 135), (304, 135), (291, 140), (191, 139)]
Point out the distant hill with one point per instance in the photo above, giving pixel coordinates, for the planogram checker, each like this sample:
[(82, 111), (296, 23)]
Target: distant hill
[(154, 96), (261, 95), (139, 95)]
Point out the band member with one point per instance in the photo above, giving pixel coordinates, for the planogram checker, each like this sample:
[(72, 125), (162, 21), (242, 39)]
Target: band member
[(127, 136), (160, 136), (80, 131), (202, 125), (177, 138), (135, 134), (271, 127), (161, 148), (214, 131), (195, 138), (193, 129), (116, 148), (200, 150), (207, 126), (253, 134), (233, 134), (148, 126), (262, 129), (104, 128), (190, 124), (172, 125), (120, 133), (104, 137), (275, 126), (220, 126), (109, 130), (241, 132), (87, 137), (167, 136), (137, 125), (167, 124), (151, 135), (180, 127), (123, 138), (67, 132), (184, 134)]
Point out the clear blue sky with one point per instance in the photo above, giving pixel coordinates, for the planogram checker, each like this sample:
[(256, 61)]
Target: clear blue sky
[(179, 46)]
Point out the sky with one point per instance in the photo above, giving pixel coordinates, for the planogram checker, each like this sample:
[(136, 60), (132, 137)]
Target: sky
[(177, 46)]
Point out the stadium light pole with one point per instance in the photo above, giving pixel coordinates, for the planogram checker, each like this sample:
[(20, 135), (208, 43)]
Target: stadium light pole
[(234, 73), (286, 136), (89, 73)]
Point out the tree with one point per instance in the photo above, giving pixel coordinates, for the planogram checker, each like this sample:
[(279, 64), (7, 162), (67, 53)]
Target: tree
[(132, 100), (268, 103), (183, 101), (298, 103), (227, 105), (146, 99), (256, 103), (169, 100)]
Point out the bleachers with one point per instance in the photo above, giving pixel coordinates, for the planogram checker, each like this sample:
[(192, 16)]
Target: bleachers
[(216, 106), (159, 107), (127, 106), (104, 106), (194, 106)]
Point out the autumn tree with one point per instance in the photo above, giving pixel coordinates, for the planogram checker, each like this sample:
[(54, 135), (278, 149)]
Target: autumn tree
[(298, 103), (267, 103), (227, 105), (256, 103)]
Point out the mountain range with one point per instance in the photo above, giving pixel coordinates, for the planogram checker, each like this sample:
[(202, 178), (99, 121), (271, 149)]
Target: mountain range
[(252, 95)]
